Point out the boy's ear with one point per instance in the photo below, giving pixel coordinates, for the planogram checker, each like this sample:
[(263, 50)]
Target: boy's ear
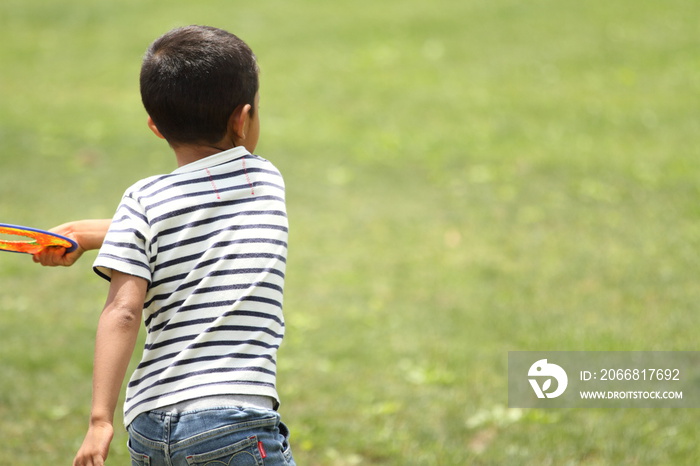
[(154, 128), (239, 122)]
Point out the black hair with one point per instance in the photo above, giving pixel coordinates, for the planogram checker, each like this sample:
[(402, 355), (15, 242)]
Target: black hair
[(192, 80)]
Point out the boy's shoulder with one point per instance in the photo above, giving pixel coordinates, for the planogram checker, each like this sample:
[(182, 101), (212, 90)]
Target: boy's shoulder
[(145, 184)]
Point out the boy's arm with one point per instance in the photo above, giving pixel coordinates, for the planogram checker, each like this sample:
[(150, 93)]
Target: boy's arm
[(117, 331), (89, 234)]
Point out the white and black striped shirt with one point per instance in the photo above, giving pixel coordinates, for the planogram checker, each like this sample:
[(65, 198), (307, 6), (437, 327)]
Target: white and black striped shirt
[(211, 240)]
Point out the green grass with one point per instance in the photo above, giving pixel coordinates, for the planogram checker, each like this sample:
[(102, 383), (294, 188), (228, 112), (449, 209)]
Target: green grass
[(464, 178)]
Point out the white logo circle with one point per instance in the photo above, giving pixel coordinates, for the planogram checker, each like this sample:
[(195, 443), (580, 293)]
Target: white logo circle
[(542, 369)]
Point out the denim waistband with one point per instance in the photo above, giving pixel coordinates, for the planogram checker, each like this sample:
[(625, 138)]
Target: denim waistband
[(219, 401)]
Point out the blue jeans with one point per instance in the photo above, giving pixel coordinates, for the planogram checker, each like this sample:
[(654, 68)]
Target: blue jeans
[(210, 437)]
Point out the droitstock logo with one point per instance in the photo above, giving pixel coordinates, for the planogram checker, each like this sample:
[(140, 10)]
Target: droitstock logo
[(544, 371)]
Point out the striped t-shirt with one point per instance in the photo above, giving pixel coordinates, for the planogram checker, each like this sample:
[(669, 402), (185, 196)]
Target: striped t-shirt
[(211, 240)]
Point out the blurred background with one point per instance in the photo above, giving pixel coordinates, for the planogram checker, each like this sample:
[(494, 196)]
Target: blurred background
[(464, 178)]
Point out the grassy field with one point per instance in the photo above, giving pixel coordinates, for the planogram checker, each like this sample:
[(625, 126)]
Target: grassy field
[(464, 178)]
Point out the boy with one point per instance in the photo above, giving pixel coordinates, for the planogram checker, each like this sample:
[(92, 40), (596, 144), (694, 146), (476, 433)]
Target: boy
[(200, 255)]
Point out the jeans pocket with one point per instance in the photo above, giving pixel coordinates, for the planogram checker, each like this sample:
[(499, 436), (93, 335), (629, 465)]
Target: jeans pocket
[(286, 447), (138, 459), (288, 456), (244, 453)]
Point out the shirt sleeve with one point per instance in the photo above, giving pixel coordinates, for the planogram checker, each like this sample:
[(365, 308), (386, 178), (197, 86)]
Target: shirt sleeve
[(126, 245)]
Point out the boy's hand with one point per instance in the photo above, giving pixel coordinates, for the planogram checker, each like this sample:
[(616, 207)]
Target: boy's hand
[(89, 234), (56, 256), (95, 447)]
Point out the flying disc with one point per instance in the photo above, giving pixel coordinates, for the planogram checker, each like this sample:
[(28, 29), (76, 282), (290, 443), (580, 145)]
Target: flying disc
[(34, 241)]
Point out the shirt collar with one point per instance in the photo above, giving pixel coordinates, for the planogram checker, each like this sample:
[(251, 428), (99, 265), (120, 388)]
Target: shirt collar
[(213, 160)]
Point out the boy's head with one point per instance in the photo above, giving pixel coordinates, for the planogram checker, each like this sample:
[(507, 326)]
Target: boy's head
[(192, 81)]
